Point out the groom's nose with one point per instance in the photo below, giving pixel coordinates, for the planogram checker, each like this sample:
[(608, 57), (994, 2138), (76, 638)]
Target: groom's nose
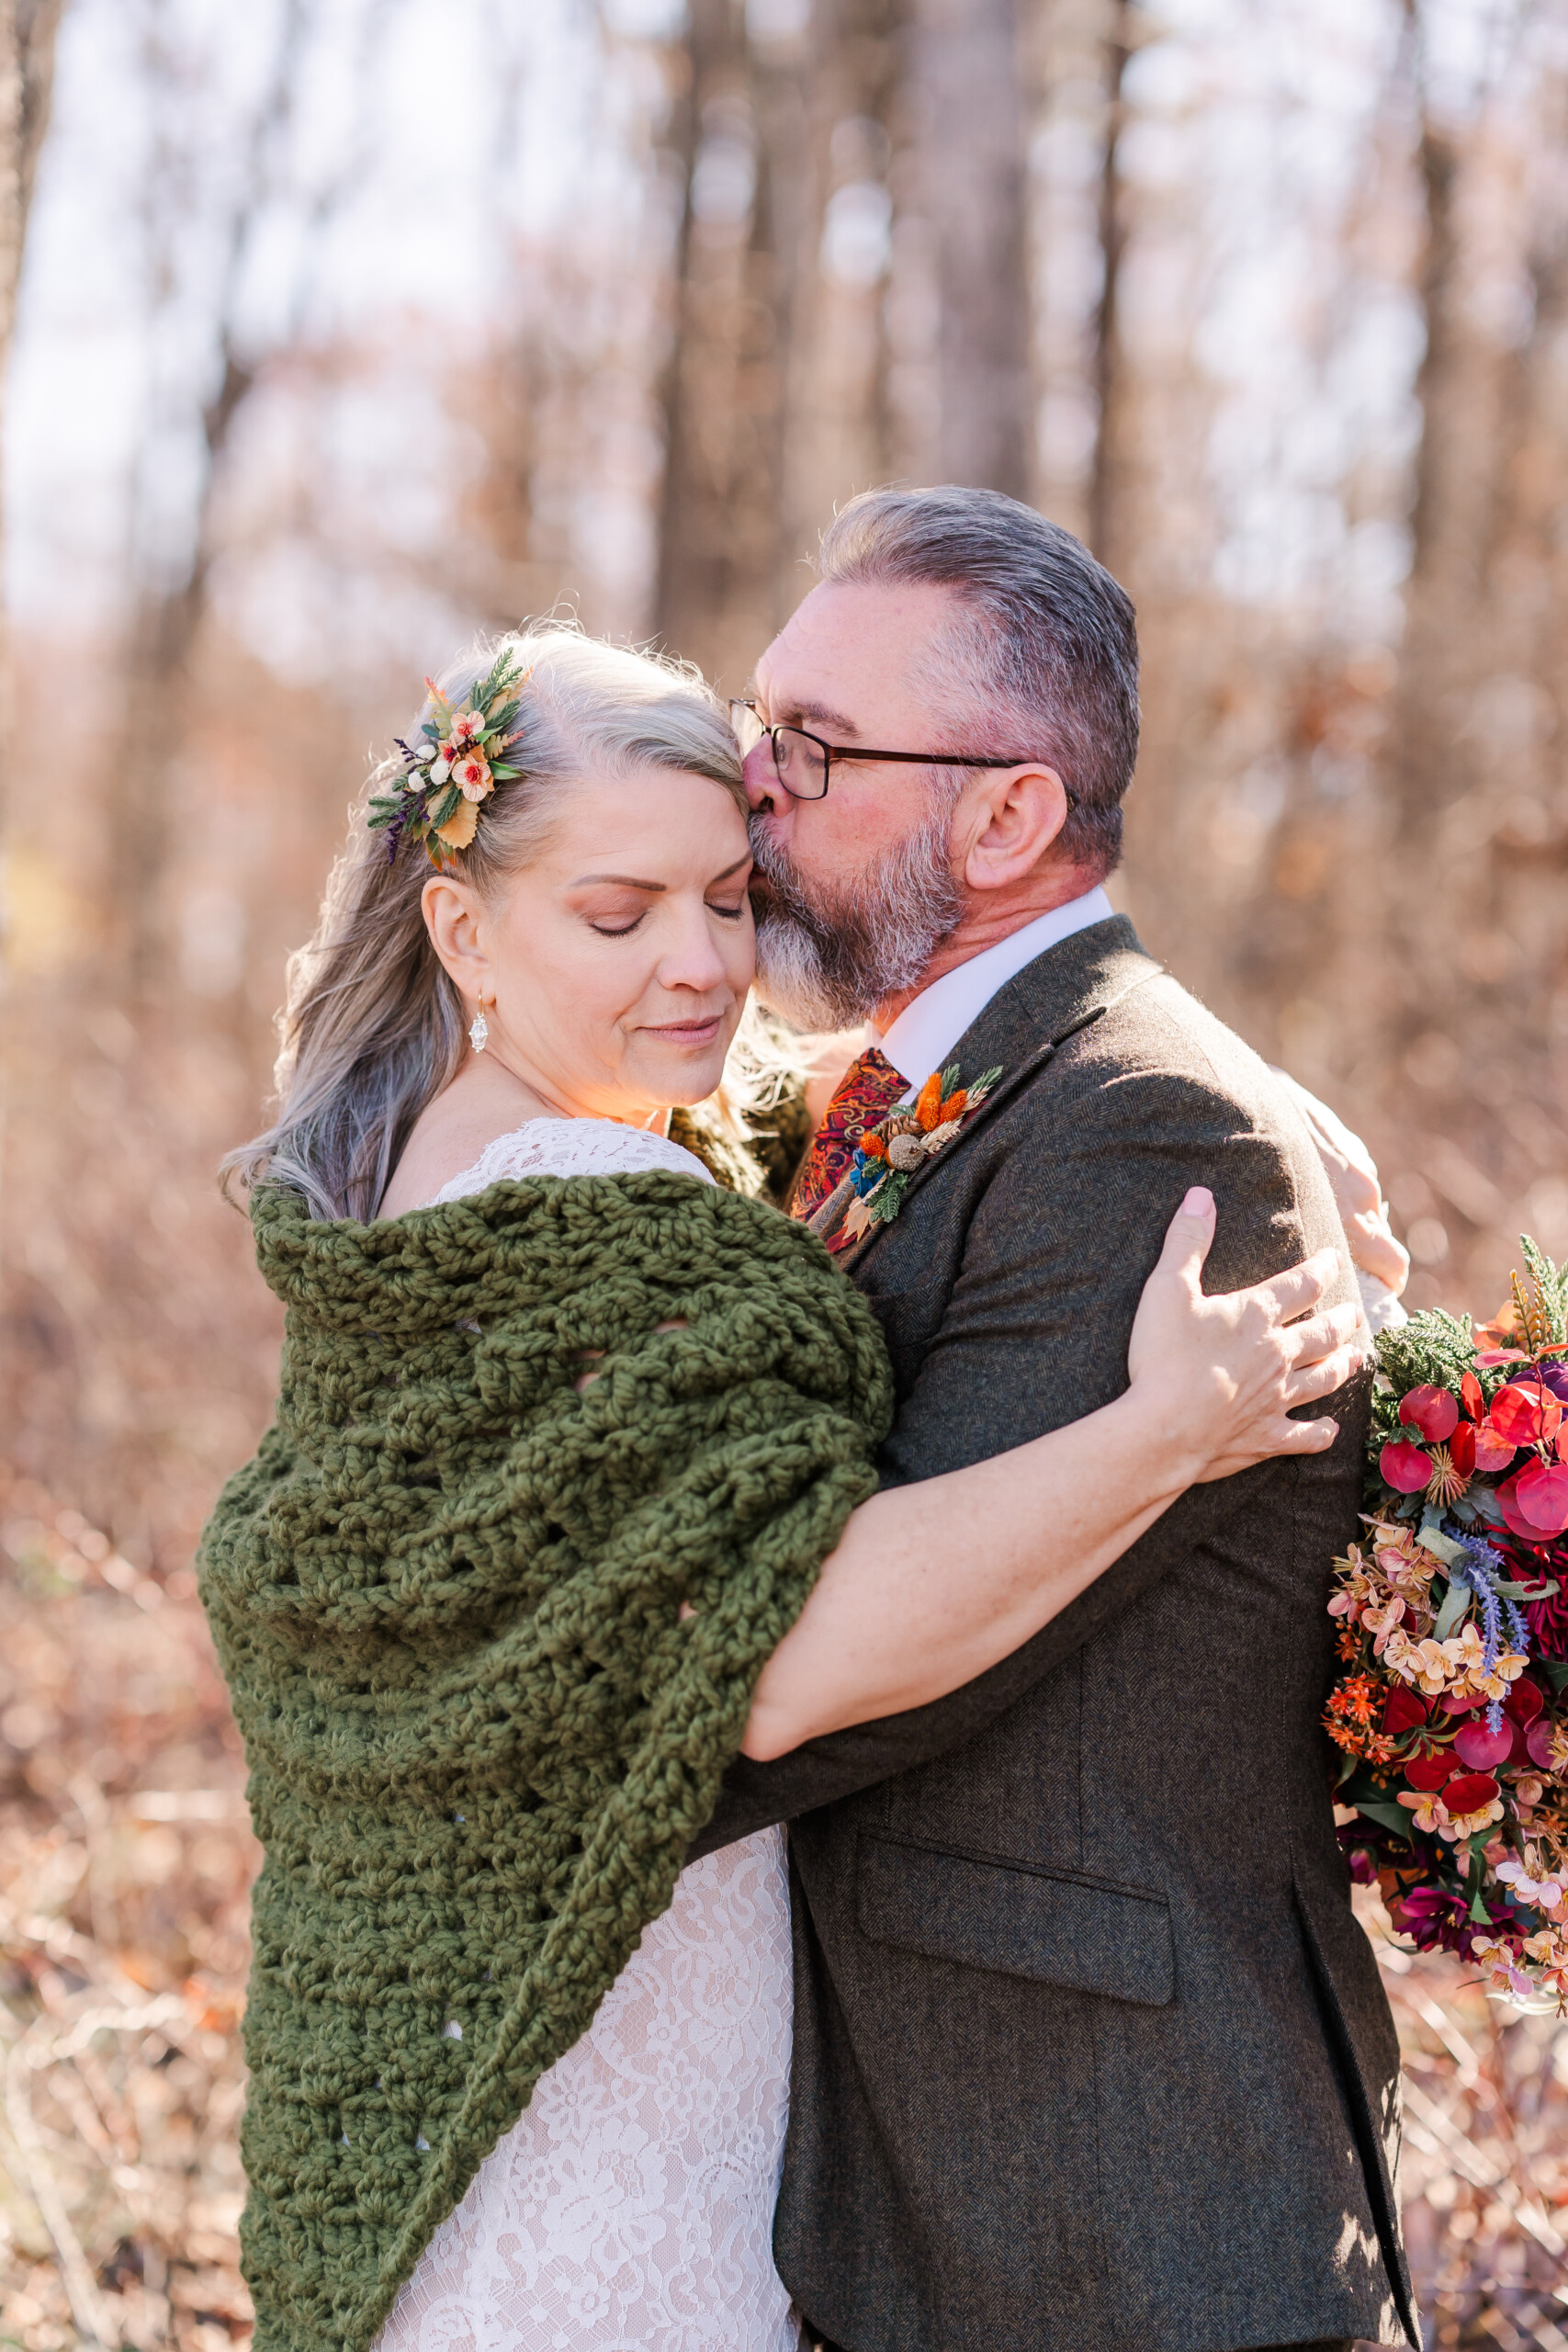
[(761, 778)]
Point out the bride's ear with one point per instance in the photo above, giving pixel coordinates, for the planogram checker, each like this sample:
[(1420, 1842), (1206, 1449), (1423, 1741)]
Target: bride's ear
[(453, 918)]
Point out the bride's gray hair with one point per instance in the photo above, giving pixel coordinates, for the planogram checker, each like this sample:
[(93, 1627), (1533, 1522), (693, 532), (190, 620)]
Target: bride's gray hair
[(373, 1027)]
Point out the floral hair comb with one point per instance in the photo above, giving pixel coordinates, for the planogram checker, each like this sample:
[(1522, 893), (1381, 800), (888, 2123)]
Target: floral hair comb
[(453, 764)]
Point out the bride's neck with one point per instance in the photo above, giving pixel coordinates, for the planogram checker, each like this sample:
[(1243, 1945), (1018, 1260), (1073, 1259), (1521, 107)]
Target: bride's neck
[(494, 1078)]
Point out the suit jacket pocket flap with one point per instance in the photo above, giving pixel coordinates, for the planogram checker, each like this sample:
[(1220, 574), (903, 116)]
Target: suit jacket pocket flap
[(1019, 1921)]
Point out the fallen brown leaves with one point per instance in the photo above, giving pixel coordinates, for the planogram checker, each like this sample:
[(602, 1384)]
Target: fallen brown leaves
[(125, 1865)]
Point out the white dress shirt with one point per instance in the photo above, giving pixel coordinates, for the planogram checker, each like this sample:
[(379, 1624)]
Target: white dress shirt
[(931, 1023)]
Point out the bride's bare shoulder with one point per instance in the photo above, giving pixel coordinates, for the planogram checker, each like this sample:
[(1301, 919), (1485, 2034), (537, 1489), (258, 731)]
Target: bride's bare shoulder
[(453, 1132)]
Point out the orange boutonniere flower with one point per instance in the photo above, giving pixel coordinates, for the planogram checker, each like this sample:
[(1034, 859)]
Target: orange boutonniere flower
[(890, 1153)]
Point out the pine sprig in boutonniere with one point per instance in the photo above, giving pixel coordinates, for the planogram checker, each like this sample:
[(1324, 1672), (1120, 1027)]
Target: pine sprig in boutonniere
[(453, 764), (890, 1153)]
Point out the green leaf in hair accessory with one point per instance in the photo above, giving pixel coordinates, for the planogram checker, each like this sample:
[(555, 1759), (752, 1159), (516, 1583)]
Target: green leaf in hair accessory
[(453, 765)]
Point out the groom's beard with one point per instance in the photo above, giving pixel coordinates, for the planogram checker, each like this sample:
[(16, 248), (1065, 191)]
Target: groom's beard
[(826, 960)]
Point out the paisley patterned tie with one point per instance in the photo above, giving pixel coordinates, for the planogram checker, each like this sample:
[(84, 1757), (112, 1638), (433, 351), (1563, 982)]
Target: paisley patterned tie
[(866, 1092)]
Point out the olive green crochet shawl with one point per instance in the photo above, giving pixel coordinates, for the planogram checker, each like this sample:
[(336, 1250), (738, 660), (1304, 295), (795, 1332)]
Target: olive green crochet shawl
[(447, 1596)]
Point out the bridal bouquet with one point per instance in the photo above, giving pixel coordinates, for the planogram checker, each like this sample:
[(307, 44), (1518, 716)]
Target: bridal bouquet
[(1452, 1713)]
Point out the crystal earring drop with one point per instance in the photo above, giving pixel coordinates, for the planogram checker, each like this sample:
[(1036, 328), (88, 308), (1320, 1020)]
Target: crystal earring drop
[(479, 1029)]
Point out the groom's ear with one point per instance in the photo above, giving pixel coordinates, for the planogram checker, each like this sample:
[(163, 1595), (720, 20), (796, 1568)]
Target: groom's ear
[(1010, 824)]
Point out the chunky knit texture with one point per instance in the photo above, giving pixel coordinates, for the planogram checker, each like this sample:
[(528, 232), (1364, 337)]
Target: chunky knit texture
[(446, 1595)]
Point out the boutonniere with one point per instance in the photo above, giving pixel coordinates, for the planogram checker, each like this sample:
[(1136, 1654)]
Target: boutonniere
[(890, 1153)]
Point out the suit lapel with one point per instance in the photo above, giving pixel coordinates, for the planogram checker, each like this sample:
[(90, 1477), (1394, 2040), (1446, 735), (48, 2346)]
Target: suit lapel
[(1063, 992)]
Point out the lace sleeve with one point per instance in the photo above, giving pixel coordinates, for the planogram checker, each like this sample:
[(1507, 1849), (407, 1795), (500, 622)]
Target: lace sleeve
[(571, 1147)]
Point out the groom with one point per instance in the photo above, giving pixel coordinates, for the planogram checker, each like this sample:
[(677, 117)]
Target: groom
[(1090, 2052)]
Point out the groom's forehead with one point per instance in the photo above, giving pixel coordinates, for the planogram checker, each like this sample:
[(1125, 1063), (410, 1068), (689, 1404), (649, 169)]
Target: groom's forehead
[(849, 649)]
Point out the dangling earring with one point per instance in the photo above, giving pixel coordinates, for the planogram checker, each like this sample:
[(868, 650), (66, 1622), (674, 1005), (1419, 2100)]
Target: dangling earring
[(479, 1029)]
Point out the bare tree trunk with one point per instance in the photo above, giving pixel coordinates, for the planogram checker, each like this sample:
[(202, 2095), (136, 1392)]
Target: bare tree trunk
[(965, 68), (169, 618), (1112, 241), (839, 424), (28, 29), (723, 390), (1480, 831), (775, 395)]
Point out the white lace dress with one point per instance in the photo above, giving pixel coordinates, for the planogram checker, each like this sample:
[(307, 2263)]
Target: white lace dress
[(631, 2207)]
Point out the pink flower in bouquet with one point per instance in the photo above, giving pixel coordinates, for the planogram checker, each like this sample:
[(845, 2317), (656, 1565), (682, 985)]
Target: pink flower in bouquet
[(1501, 1962), (1526, 1412), (1473, 1802), (1431, 1813), (1546, 1743), (1477, 1678), (1492, 1451), (1548, 1951), (1540, 1495), (1542, 1889), (1401, 1712), (1433, 1411), (467, 728), (1435, 1919), (1429, 1664), (1405, 1468), (1381, 1622), (1480, 1748), (1524, 1701), (1517, 1518), (1408, 1566)]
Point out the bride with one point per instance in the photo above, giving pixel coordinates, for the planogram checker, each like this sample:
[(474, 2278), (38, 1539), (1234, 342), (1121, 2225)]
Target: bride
[(518, 2079)]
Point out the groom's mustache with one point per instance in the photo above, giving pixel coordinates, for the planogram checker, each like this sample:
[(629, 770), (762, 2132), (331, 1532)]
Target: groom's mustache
[(827, 955)]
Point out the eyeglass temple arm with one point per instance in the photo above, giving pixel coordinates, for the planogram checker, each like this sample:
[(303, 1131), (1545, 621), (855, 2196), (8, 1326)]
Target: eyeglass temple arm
[(921, 759)]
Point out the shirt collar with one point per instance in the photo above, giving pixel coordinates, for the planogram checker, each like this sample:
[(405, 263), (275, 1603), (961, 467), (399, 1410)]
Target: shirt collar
[(931, 1023)]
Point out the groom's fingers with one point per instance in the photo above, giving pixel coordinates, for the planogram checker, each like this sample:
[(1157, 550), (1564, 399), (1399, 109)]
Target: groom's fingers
[(1320, 1335), (1298, 1290)]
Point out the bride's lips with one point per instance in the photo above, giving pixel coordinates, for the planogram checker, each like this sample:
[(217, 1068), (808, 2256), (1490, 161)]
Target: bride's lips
[(686, 1032)]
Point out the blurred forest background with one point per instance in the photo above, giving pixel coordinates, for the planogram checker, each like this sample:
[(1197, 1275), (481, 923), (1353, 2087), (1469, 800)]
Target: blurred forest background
[(347, 327)]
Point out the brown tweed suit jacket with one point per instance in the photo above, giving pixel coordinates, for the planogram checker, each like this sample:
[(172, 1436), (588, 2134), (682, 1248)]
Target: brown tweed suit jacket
[(1090, 2052)]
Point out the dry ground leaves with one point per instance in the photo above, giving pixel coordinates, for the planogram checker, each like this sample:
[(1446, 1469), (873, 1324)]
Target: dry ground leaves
[(125, 1862), (125, 1865)]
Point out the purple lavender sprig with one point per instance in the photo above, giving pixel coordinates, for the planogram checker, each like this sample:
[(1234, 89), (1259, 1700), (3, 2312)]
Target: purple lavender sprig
[(1478, 1567)]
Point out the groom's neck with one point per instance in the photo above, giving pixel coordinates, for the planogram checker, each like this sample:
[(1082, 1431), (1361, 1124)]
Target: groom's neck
[(989, 916)]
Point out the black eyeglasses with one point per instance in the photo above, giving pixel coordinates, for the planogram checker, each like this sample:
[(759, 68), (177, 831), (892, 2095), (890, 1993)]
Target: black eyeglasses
[(803, 763)]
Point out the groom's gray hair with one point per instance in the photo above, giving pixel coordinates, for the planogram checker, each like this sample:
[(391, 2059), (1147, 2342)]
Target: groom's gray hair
[(1046, 659)]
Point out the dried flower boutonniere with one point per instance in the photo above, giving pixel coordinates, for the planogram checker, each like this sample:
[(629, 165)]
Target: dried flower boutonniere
[(890, 1152)]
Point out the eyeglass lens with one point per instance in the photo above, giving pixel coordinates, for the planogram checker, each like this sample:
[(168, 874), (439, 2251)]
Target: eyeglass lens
[(799, 761)]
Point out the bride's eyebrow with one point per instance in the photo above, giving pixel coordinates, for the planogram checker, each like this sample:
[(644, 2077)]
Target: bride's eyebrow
[(632, 882)]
